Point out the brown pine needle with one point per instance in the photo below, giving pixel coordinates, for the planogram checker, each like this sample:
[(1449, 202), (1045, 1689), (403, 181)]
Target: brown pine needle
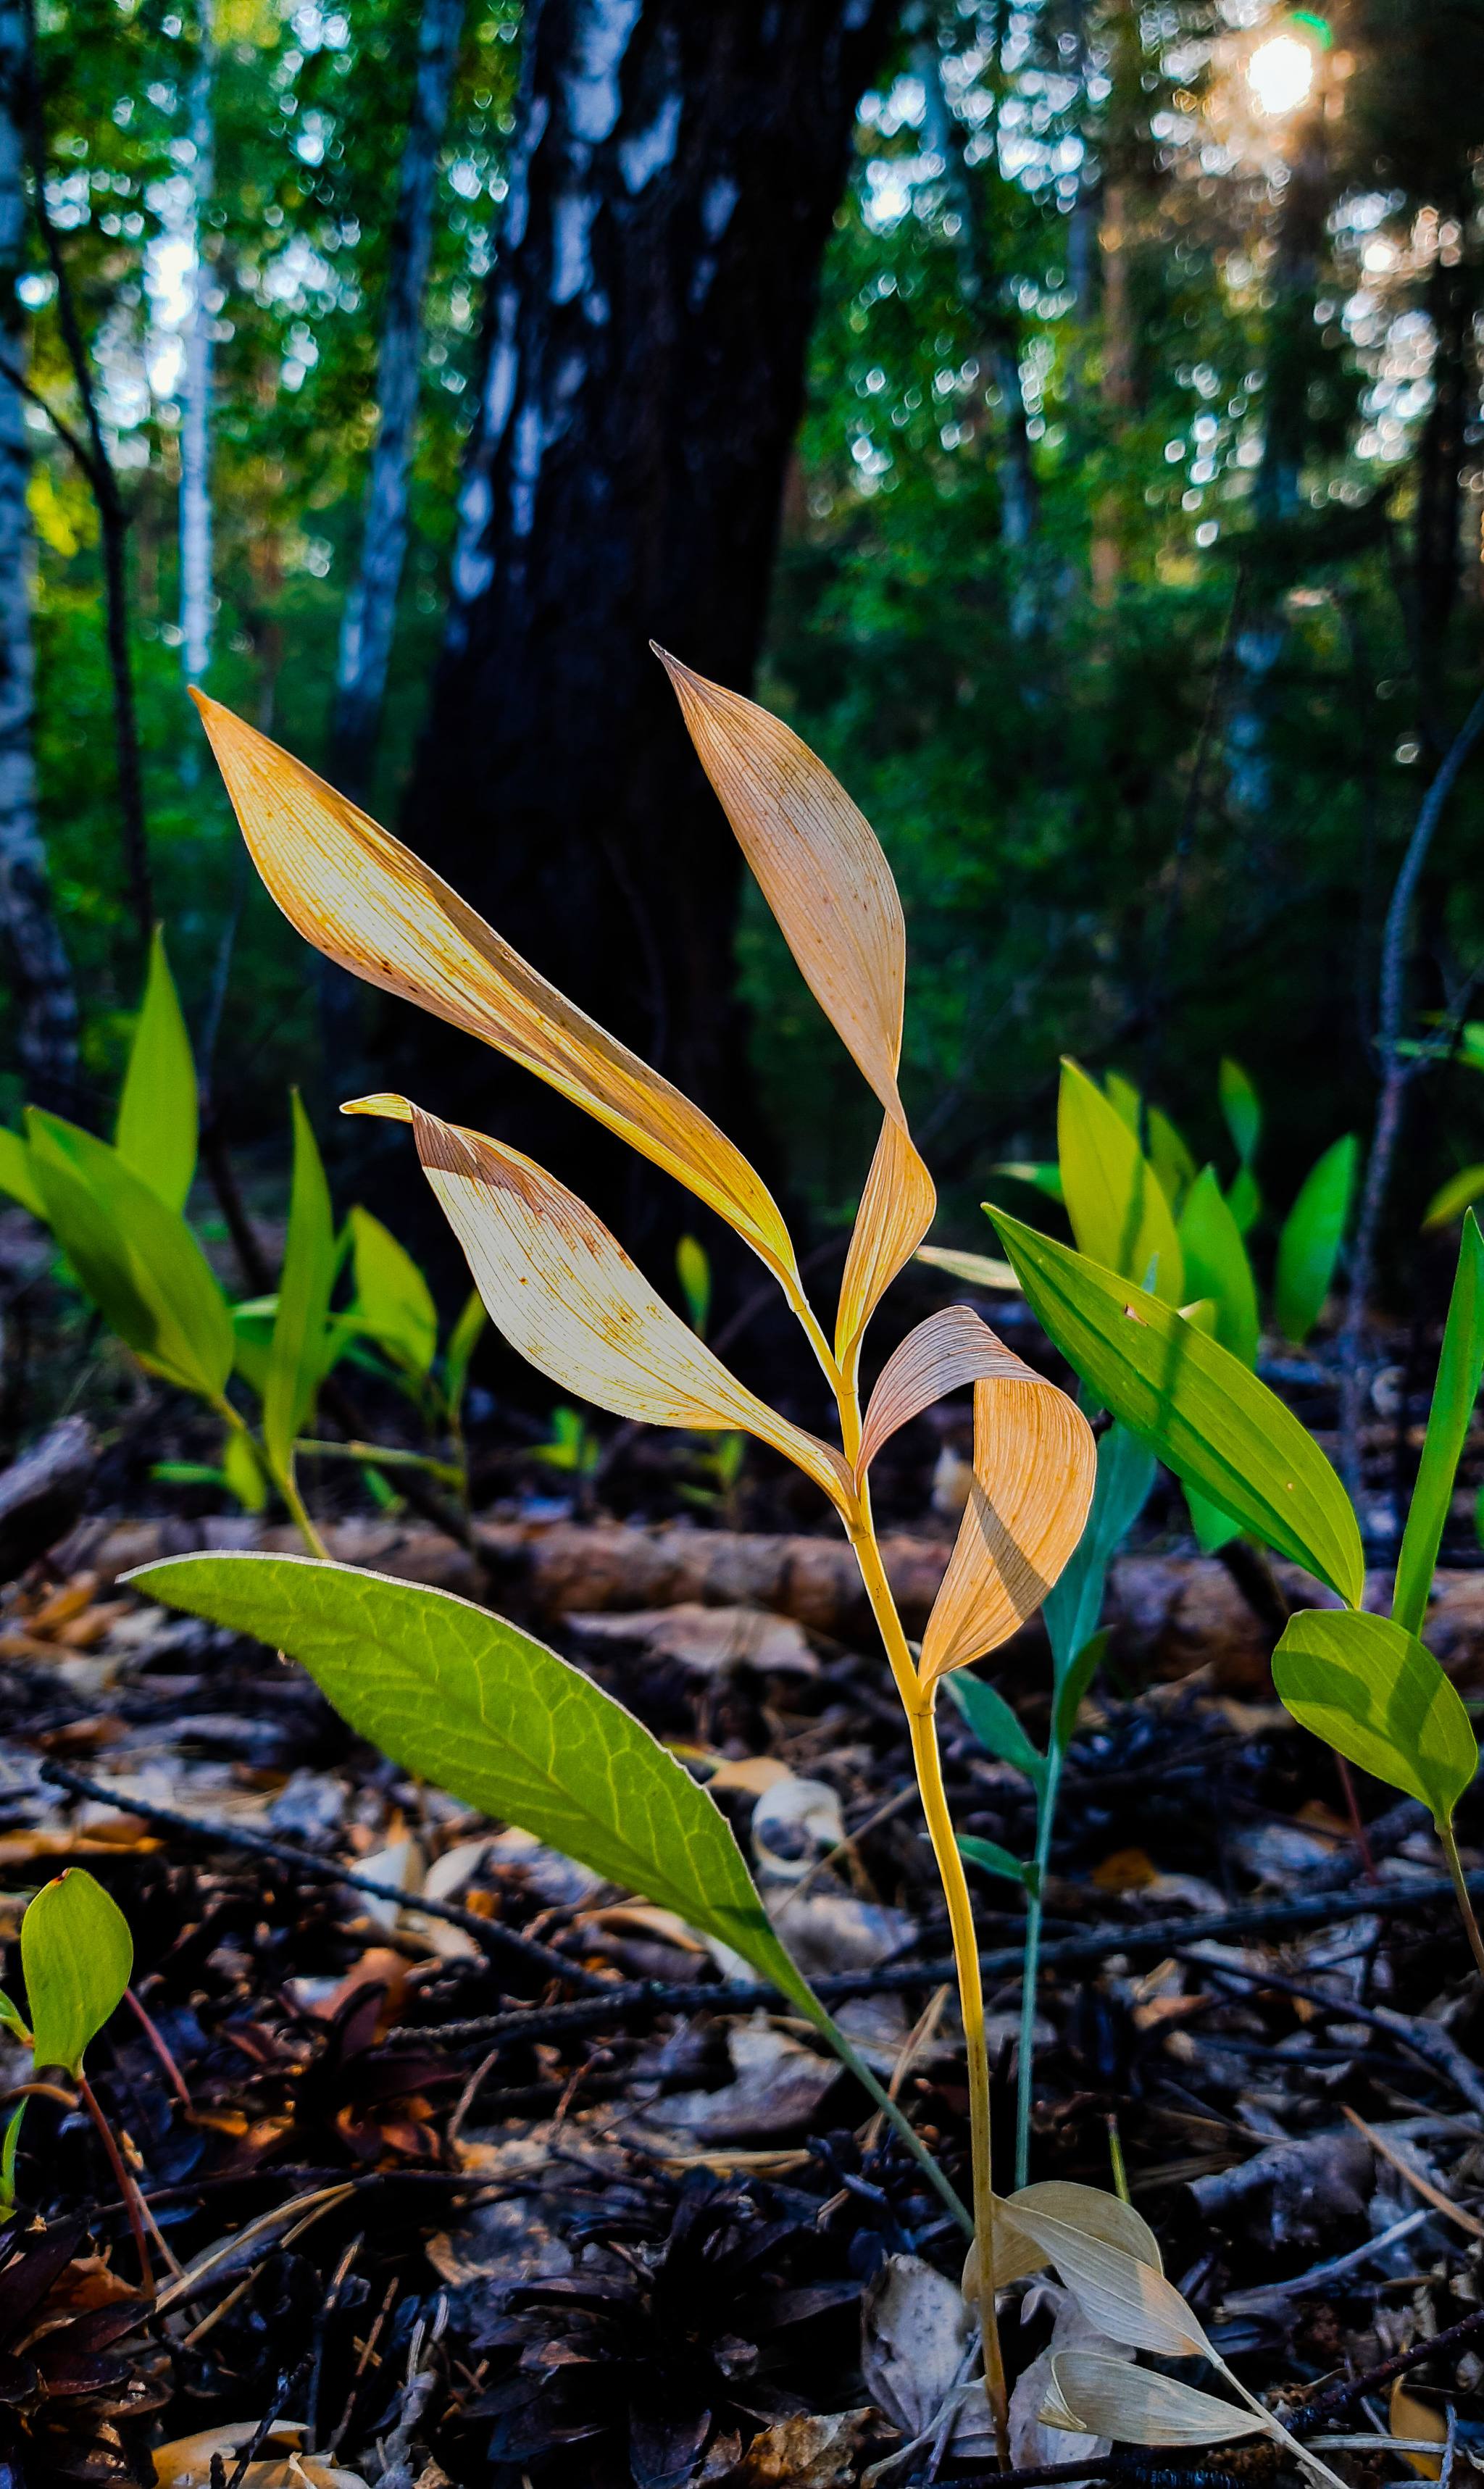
[(1415, 2178)]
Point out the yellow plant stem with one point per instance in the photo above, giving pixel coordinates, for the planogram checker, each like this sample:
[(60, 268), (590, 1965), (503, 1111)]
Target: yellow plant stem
[(1460, 1887), (917, 1703)]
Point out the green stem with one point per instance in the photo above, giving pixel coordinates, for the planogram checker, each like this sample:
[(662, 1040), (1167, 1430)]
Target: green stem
[(298, 1512), (891, 2109), (378, 1456), (1025, 2080), (1460, 1887)]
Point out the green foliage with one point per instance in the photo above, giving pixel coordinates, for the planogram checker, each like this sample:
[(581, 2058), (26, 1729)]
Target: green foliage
[(1126, 1474), (1369, 1687), (1186, 1398), (1119, 1211), (1216, 1266), (1447, 1201), (462, 1340), (76, 1954), (392, 1301), (996, 1860), (1454, 1394), (573, 1447), (996, 1727), (693, 1270), (1310, 1239), (157, 1130)]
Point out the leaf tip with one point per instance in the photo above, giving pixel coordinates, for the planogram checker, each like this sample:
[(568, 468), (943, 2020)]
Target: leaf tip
[(383, 1101)]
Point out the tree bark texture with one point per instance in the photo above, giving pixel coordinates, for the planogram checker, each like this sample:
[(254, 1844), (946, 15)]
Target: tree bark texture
[(37, 963), (371, 607), (196, 390), (676, 170)]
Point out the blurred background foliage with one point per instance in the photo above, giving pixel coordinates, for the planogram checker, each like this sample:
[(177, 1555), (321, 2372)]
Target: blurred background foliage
[(1129, 568)]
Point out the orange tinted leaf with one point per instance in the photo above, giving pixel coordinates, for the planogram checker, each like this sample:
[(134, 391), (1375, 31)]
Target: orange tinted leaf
[(950, 1349), (818, 863), (565, 1294), (896, 1209), (1035, 1467), (366, 901)]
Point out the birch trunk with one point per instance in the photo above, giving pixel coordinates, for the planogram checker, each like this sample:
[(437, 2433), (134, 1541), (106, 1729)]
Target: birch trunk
[(371, 607), (196, 393), (37, 963), (674, 174)]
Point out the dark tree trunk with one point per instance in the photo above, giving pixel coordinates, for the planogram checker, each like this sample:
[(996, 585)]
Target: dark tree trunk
[(676, 170)]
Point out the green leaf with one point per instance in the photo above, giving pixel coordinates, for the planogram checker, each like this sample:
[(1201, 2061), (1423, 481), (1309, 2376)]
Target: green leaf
[(1309, 1242), (1371, 1689), (996, 1861), (253, 1340), (483, 1710), (1454, 1394), (1242, 1108), (17, 1176), (297, 1361), (1442, 1211), (1125, 1100), (157, 1131), (394, 1300), (693, 1269), (242, 1475), (1188, 1399), (11, 2020), (462, 1340), (995, 1726), (137, 1260), (1043, 1175), (1126, 1474), (1118, 1213), (1216, 1266), (1244, 1200), (1171, 1161), (76, 1954), (1074, 1684), (1213, 1528)]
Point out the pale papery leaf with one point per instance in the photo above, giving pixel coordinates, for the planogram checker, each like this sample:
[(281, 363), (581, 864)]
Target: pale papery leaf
[(1035, 1467), (1105, 2397), (1086, 2207), (974, 1270), (947, 1351), (1125, 2297), (564, 1293), (365, 900), (898, 1207), (818, 863)]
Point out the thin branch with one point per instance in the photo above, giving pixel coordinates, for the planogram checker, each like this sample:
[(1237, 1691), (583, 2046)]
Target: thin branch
[(63, 430)]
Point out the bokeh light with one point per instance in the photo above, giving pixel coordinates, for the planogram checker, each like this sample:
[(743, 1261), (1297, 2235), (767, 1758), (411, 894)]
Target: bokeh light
[(1281, 73)]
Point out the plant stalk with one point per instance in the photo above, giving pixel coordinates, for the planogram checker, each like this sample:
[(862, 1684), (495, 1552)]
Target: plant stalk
[(125, 2181), (1460, 1886), (1045, 1817)]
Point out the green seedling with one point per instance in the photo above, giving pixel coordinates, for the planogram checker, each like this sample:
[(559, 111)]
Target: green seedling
[(76, 1954), (1242, 1110), (1368, 1684), (1126, 1474), (572, 1447), (693, 1270)]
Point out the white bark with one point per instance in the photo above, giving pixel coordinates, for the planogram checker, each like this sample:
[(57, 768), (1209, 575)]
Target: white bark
[(196, 388), (371, 607), (37, 963)]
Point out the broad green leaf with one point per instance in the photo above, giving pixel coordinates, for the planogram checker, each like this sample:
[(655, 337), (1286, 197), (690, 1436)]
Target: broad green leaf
[(137, 1259), (157, 1130), (1118, 1213), (1041, 1174), (693, 1269), (483, 1710), (1244, 1200), (1189, 1400), (1074, 1684), (995, 1726), (76, 1954), (1310, 1239), (253, 1340), (17, 1176), (1374, 1692), (1125, 1100), (996, 1861), (1216, 1265), (1242, 1108), (297, 1361), (1454, 1394), (1126, 1474), (392, 1297), (462, 1340), (1171, 1160), (1446, 1202), (1214, 1529)]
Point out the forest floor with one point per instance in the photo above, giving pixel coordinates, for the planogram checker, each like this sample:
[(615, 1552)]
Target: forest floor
[(423, 2204)]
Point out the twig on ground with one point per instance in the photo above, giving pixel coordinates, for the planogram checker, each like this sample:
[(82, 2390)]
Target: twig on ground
[(1335, 2397), (488, 1932), (282, 2393), (1415, 2178)]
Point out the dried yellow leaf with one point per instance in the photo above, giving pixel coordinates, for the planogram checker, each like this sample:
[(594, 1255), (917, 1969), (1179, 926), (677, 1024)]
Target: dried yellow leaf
[(940, 1355), (897, 1209), (1105, 2397), (1035, 1467)]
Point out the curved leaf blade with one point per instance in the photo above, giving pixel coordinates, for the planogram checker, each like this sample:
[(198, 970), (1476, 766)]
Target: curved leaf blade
[(17, 1176), (1373, 1691), (1310, 1240), (1117, 1204), (1126, 1474), (998, 1731), (1447, 1201), (1216, 1266), (392, 1296), (1460, 1366), (1123, 2297), (486, 1711), (1034, 1464), (158, 1124), (818, 864), (367, 902), (1139, 2407), (1189, 1400), (974, 1270), (898, 1207), (947, 1351), (297, 1361)]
